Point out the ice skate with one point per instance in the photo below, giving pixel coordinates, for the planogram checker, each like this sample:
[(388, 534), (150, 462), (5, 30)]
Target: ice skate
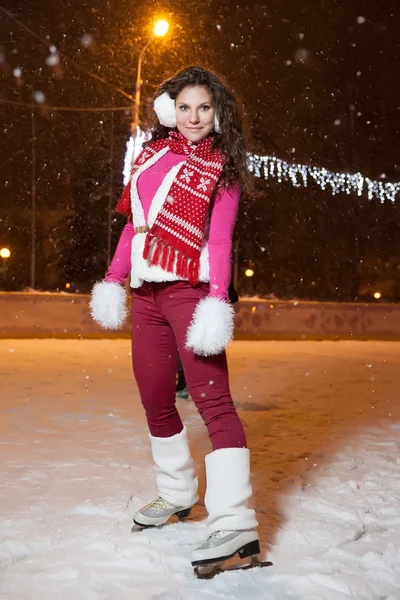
[(212, 557), (159, 512), (175, 480), (231, 525)]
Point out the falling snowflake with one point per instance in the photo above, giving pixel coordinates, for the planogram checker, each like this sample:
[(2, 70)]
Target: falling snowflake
[(17, 72), (38, 97), (53, 60), (87, 40), (302, 55), (337, 122), (361, 20)]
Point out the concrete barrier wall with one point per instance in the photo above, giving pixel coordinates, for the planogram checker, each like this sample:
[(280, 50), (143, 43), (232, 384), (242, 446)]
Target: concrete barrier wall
[(67, 315)]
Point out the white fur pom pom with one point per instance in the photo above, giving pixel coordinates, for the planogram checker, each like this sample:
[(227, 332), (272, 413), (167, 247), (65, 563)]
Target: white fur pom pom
[(108, 304), (211, 328), (164, 108)]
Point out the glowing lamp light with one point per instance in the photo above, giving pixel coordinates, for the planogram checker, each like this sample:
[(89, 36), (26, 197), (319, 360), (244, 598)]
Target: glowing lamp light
[(5, 253), (249, 272), (377, 295), (67, 285), (161, 28)]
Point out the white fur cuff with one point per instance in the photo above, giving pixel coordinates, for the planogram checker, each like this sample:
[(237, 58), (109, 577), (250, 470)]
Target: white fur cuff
[(108, 304), (211, 329)]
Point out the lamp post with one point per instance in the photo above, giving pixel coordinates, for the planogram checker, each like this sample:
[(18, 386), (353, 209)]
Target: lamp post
[(33, 203), (137, 137), (160, 29)]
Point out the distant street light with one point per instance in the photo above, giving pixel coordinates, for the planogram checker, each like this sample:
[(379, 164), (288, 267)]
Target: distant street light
[(377, 295), (5, 254), (249, 272)]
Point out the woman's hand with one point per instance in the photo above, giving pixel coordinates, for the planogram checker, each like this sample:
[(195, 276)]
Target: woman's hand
[(108, 304), (211, 329)]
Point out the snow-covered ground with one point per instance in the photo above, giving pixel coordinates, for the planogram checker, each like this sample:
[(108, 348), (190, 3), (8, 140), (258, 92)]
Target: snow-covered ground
[(323, 424)]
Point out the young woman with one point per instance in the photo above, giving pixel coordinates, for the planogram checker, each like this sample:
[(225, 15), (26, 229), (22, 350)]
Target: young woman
[(181, 203)]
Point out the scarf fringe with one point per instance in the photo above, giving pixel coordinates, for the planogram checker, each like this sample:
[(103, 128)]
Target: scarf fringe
[(171, 260), (124, 205), (146, 249), (163, 255)]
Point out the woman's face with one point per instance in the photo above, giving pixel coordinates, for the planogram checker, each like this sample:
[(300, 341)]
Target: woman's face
[(194, 113)]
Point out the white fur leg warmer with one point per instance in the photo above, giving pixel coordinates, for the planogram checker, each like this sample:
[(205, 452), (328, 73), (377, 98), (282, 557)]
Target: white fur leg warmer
[(229, 490), (175, 478), (211, 329), (108, 304)]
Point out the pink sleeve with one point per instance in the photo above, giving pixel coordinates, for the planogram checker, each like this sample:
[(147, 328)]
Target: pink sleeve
[(222, 225), (121, 263)]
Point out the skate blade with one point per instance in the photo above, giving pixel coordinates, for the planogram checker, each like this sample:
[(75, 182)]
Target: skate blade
[(210, 570), (136, 527)]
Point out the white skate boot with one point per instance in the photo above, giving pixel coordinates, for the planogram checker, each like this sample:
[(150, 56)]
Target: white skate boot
[(231, 523), (159, 512), (175, 480)]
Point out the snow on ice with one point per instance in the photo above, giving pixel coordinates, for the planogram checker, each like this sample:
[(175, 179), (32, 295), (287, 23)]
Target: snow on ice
[(323, 425)]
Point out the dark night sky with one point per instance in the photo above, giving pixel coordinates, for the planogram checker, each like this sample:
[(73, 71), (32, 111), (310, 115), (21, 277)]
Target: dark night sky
[(319, 81)]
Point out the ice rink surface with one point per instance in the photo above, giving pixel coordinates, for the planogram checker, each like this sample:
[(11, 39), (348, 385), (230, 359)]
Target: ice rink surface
[(323, 426)]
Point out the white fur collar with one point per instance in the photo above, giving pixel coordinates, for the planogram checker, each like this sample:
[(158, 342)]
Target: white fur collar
[(136, 205)]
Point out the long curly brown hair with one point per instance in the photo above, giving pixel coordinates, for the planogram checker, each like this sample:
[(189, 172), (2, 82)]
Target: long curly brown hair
[(231, 140)]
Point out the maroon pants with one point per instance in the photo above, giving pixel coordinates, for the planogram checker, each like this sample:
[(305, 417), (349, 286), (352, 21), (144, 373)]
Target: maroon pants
[(161, 314)]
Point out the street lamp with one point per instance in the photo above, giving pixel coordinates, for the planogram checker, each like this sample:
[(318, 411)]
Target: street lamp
[(5, 254), (249, 272), (160, 29)]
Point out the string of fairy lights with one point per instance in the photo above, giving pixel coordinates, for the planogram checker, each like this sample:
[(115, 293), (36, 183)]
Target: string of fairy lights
[(298, 174), (301, 175)]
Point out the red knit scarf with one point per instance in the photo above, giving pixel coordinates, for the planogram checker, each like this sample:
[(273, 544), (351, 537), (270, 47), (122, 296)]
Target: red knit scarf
[(175, 240)]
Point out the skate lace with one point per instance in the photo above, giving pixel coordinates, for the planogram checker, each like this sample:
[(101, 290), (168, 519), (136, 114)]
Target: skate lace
[(214, 537), (160, 504)]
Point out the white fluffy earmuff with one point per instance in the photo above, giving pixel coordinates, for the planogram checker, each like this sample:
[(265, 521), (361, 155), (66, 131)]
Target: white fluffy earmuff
[(164, 107)]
